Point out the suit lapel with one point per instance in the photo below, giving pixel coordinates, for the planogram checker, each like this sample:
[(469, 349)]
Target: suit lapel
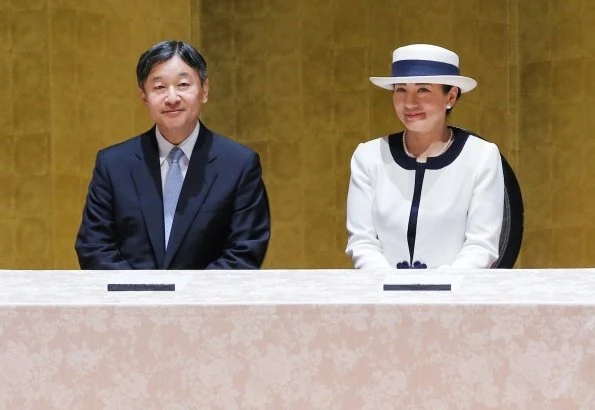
[(197, 184), (147, 179)]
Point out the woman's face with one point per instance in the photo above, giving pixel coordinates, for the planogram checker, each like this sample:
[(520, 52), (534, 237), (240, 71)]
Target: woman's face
[(422, 107)]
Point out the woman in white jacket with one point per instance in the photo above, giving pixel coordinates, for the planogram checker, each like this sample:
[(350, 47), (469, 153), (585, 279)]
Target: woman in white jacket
[(432, 195)]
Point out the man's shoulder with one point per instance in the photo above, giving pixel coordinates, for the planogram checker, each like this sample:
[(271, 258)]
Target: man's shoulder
[(232, 152), (227, 146), (124, 147), (221, 145)]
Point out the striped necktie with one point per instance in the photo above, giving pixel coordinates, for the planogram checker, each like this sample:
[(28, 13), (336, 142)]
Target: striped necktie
[(171, 190)]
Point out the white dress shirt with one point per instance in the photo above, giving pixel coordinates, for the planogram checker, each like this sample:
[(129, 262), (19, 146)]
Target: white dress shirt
[(457, 216)]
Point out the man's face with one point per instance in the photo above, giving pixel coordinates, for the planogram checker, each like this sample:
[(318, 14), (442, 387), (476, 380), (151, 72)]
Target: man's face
[(174, 95)]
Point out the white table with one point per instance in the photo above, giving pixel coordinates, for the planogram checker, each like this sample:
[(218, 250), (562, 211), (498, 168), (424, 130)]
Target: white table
[(328, 339)]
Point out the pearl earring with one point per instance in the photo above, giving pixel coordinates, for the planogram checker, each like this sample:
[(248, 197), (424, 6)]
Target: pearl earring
[(448, 106)]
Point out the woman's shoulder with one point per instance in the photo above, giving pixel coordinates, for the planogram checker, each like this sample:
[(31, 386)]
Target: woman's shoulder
[(476, 142), (371, 147), (474, 137), (375, 142)]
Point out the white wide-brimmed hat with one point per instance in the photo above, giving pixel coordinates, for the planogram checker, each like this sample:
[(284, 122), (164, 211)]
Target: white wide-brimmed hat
[(425, 63)]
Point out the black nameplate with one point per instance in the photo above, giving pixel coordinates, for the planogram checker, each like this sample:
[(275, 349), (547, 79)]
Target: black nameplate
[(418, 287), (140, 287)]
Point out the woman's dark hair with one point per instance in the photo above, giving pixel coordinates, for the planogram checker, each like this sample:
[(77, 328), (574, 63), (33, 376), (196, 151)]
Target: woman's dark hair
[(446, 88), (166, 50)]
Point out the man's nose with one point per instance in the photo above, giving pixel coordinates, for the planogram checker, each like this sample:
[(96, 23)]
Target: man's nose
[(172, 96)]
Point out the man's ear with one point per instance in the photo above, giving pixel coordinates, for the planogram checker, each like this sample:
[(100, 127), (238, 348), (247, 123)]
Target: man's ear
[(205, 91), (142, 95)]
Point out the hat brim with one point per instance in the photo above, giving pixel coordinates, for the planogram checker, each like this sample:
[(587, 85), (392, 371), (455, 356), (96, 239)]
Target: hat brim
[(464, 83)]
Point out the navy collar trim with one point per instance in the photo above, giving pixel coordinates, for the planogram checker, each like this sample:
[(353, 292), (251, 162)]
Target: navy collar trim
[(395, 142)]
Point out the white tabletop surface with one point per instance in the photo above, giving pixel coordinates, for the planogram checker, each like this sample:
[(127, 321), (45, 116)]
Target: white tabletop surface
[(282, 287)]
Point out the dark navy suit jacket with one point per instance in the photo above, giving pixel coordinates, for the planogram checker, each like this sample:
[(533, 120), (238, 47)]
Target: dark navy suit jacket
[(222, 218)]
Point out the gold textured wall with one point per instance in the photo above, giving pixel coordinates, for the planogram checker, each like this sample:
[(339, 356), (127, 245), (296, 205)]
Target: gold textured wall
[(25, 135), (557, 49), (290, 79), (68, 89)]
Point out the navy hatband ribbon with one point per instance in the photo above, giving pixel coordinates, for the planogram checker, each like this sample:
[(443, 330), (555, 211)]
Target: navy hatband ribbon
[(416, 68)]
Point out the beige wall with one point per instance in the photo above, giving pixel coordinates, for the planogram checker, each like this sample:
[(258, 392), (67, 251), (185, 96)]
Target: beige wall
[(290, 79)]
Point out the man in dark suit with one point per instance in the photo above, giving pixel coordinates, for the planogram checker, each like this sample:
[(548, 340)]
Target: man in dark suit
[(177, 196)]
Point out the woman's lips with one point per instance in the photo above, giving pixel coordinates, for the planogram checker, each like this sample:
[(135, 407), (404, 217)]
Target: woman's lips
[(414, 116)]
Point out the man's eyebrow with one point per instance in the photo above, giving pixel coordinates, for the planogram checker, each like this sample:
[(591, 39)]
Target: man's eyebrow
[(158, 78)]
